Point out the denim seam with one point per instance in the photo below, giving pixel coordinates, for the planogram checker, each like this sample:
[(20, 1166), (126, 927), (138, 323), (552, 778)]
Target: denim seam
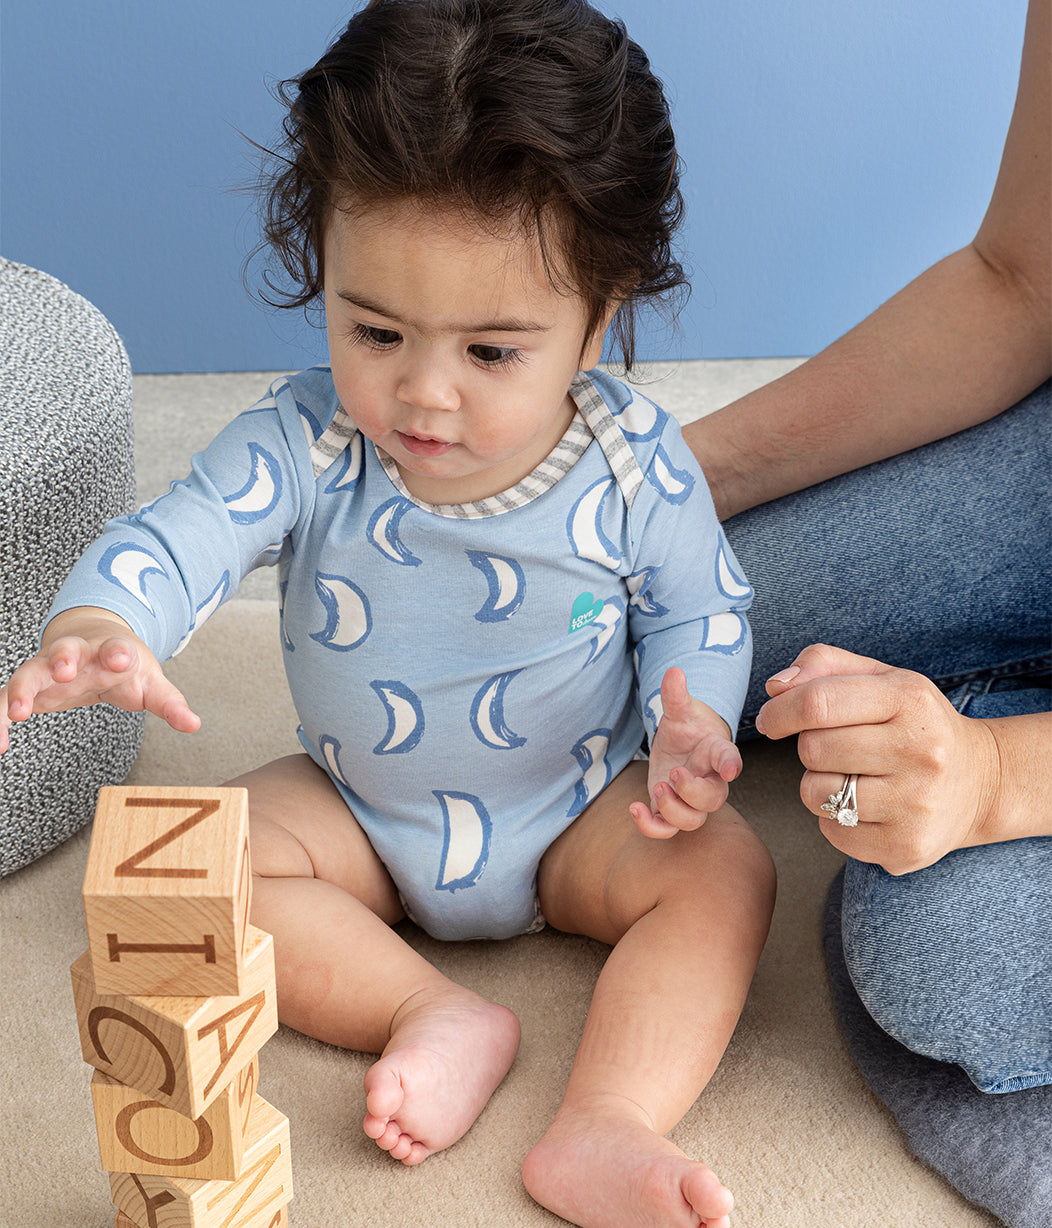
[(990, 674)]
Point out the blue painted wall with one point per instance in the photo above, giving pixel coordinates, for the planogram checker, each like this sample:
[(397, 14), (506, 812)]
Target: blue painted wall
[(832, 150)]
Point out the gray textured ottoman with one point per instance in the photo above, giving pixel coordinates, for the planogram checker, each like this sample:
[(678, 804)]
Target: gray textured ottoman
[(66, 467)]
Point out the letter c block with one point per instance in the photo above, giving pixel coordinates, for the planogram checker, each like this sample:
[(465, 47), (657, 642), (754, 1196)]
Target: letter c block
[(180, 1051)]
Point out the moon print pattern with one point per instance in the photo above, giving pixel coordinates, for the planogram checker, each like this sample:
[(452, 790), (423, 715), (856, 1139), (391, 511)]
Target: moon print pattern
[(470, 677)]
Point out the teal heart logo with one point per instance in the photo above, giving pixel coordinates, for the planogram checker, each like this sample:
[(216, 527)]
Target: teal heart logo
[(586, 609)]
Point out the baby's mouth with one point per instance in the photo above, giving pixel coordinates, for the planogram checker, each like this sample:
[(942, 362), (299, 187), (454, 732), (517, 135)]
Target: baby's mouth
[(423, 446)]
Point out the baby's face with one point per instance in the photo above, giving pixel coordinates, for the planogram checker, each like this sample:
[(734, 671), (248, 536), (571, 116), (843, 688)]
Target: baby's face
[(450, 348)]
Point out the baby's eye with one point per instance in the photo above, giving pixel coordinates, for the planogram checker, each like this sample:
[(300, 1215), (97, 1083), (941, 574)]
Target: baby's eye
[(378, 338), (495, 355)]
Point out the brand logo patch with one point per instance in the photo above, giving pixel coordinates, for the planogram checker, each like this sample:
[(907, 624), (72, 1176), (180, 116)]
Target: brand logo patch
[(586, 609)]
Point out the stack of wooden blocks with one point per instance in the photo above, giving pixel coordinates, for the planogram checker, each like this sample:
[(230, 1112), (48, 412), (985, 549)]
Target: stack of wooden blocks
[(175, 998)]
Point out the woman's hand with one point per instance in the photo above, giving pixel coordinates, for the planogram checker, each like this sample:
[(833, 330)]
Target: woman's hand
[(929, 778), (91, 656)]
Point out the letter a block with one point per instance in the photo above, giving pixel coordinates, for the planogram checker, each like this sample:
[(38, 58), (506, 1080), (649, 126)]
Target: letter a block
[(138, 1135), (179, 1051), (167, 891), (257, 1199)]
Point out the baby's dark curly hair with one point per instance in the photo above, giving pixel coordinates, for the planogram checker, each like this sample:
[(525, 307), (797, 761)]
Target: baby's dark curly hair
[(542, 112)]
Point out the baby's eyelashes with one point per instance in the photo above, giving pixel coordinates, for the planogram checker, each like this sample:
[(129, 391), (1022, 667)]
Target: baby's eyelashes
[(495, 355), (375, 337)]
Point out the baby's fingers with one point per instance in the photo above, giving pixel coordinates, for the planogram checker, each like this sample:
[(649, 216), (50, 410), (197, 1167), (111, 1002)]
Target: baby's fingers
[(166, 701), (688, 795), (651, 825), (715, 755), (25, 684)]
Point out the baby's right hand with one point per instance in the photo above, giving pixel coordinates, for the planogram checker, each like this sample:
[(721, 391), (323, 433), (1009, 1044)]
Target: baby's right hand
[(91, 656)]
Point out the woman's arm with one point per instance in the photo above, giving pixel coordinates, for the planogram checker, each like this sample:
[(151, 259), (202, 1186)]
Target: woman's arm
[(964, 341)]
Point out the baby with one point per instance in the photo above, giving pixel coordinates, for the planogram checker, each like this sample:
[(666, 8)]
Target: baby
[(501, 577)]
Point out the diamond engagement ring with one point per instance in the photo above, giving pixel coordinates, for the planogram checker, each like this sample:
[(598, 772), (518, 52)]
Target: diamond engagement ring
[(842, 806)]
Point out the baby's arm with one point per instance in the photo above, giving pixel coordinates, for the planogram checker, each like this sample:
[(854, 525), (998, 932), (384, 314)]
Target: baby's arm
[(90, 655), (692, 761)]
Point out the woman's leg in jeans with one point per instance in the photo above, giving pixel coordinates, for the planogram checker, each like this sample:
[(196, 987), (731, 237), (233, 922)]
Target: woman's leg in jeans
[(937, 561)]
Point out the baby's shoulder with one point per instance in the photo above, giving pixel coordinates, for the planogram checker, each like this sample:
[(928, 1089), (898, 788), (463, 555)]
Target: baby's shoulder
[(309, 398), (637, 434)]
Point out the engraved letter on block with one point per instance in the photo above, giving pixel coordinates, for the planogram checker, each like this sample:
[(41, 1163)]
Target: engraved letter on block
[(138, 1135), (180, 1051), (255, 1200), (167, 891)]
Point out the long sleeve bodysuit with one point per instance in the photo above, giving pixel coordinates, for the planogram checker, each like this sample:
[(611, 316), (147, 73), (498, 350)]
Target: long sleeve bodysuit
[(469, 676)]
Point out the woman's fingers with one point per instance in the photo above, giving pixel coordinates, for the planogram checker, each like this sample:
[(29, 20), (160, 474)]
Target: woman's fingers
[(838, 702)]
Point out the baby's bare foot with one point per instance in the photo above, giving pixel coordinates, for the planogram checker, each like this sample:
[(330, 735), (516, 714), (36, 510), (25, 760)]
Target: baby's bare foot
[(449, 1049), (605, 1167)]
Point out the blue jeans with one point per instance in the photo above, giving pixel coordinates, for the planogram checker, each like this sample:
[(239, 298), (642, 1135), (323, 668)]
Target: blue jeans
[(935, 561)]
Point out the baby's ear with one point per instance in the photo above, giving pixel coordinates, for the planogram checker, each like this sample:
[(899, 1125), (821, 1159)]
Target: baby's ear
[(592, 351)]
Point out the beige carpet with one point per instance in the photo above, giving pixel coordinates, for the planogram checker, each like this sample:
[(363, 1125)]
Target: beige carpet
[(787, 1123)]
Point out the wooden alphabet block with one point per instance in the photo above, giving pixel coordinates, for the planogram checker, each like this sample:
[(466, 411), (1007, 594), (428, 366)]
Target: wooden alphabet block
[(257, 1199), (138, 1135), (181, 1051), (280, 1219), (167, 891)]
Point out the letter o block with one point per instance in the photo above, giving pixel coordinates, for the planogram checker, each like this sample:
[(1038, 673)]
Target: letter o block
[(139, 1135), (257, 1199), (167, 891)]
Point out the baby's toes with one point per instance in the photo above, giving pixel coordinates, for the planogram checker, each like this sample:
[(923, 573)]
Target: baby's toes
[(376, 1127), (400, 1144)]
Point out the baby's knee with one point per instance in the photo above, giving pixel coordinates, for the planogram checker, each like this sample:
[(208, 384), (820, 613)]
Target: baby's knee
[(729, 848), (275, 851), (744, 847), (954, 962)]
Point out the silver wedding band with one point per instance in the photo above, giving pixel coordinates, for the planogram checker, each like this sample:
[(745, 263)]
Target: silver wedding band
[(843, 806)]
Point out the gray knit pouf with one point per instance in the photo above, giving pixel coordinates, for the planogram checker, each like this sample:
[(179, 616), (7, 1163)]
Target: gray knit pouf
[(66, 467)]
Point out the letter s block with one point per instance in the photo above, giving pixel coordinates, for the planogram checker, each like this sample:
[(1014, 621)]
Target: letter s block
[(257, 1199), (180, 1051), (167, 891)]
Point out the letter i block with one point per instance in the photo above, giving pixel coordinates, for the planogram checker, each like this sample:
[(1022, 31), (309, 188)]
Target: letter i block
[(179, 1051), (257, 1199), (138, 1135), (167, 891)]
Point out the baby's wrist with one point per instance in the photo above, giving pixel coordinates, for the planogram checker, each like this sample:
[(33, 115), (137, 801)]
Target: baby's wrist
[(84, 622)]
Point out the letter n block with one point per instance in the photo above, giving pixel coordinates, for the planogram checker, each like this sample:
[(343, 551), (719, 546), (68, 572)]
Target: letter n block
[(256, 1199), (179, 1051), (167, 891), (139, 1135)]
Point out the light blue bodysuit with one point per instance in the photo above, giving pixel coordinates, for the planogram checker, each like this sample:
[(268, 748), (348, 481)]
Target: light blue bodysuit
[(469, 676)]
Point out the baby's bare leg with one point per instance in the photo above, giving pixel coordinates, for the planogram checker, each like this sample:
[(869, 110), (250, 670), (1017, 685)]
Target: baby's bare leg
[(345, 977), (688, 917)]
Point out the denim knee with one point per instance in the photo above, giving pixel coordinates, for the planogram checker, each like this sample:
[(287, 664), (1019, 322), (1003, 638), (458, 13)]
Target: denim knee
[(955, 960)]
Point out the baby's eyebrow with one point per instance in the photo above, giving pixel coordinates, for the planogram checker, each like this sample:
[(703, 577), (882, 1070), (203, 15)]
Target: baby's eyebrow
[(509, 324)]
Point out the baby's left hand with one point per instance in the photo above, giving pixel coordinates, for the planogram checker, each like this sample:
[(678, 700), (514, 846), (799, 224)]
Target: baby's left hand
[(692, 761)]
